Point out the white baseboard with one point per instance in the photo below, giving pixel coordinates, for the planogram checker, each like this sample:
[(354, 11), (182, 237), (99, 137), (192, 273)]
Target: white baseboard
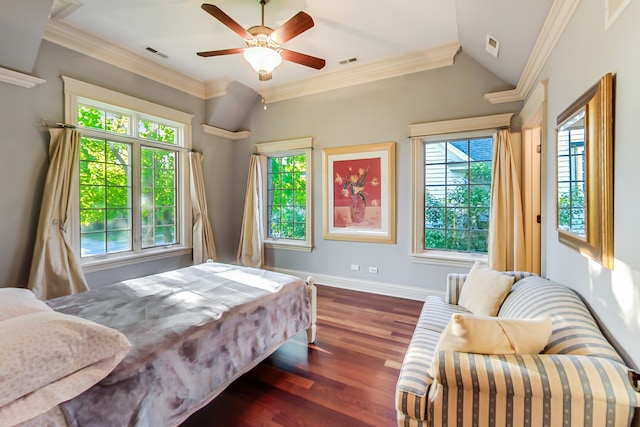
[(380, 288)]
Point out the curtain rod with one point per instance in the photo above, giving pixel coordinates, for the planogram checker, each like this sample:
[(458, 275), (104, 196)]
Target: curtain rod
[(53, 124)]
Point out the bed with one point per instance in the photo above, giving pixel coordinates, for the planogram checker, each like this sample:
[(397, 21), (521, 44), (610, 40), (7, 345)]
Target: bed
[(184, 336)]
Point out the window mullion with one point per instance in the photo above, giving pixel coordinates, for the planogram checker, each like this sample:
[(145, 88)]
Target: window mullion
[(136, 217)]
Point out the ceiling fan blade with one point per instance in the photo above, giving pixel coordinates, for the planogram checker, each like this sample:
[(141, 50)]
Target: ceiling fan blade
[(217, 13), (300, 23), (221, 52), (303, 59)]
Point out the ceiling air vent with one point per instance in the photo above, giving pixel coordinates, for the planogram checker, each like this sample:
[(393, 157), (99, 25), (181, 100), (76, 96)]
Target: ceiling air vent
[(348, 61), (155, 52)]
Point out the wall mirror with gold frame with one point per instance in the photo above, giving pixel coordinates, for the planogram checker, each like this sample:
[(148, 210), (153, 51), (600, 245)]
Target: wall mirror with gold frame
[(584, 173)]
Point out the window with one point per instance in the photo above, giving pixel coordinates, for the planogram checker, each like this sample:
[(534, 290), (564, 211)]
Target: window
[(457, 194), (288, 198), (452, 169), (133, 195)]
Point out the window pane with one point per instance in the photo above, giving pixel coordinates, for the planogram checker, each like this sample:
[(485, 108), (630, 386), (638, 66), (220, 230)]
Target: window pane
[(92, 220), (92, 197), (90, 117), (156, 132), (457, 240), (92, 244), (165, 235), (480, 173), (119, 219), (117, 123), (92, 149), (117, 175), (457, 194), (118, 241), (118, 197), (457, 218), (434, 238), (158, 197), (118, 153), (478, 240), (105, 189), (286, 178)]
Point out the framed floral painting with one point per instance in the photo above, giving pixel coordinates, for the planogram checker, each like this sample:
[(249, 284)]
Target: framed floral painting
[(359, 193)]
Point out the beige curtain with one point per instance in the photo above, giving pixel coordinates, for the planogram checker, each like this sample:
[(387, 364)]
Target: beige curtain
[(506, 225), (251, 249), (204, 247), (55, 268)]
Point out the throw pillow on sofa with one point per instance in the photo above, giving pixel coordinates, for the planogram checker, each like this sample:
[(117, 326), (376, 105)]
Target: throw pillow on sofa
[(468, 333), (484, 290)]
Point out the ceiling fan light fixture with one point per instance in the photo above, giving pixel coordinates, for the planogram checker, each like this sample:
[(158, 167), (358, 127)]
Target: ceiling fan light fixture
[(262, 59)]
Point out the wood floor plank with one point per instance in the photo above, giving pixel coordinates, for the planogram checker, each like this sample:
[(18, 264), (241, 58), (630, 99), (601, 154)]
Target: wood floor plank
[(347, 378)]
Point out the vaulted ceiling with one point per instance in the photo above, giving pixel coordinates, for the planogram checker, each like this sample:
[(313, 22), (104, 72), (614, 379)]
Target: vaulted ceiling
[(160, 38)]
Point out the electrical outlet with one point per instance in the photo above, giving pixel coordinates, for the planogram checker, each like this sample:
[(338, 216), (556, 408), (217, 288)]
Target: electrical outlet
[(355, 267), (373, 270)]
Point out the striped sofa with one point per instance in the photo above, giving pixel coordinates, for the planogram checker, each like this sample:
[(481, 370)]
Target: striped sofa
[(578, 380)]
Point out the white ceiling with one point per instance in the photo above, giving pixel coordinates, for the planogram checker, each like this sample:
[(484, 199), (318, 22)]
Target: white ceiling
[(373, 31)]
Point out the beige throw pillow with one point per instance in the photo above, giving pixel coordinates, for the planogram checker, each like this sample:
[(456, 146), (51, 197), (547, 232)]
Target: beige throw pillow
[(484, 290), (468, 333)]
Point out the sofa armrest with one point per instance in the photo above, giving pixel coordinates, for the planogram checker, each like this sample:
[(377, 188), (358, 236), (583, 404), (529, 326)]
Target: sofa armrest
[(454, 287), (548, 389)]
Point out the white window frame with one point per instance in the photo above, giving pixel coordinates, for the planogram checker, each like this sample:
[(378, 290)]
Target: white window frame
[(434, 131), (78, 92), (290, 147)]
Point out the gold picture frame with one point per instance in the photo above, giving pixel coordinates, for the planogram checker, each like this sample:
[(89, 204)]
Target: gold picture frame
[(584, 173), (359, 193)]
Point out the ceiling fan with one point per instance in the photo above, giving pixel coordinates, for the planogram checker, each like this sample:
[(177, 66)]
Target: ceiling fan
[(264, 50)]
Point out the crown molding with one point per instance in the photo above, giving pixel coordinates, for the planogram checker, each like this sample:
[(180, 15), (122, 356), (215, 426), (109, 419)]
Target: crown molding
[(532, 112), (70, 37), (460, 125), (559, 15), (19, 79), (90, 45), (439, 57), (234, 136), (215, 88)]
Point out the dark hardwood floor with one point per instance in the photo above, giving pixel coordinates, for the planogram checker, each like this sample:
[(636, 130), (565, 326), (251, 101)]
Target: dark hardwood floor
[(346, 379)]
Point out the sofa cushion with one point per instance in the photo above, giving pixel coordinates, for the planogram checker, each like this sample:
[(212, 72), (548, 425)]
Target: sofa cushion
[(484, 290), (574, 329), (494, 335), (436, 314)]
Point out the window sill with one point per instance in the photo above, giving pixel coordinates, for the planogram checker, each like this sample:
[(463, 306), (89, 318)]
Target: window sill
[(288, 245), (105, 262), (449, 259)]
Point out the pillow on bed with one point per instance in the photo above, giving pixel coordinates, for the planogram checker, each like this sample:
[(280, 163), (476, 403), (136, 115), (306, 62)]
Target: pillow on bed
[(18, 301), (50, 357), (484, 290)]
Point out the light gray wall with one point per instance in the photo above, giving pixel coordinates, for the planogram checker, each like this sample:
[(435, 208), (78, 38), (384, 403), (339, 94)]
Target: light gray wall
[(365, 114), (585, 53), (24, 160)]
